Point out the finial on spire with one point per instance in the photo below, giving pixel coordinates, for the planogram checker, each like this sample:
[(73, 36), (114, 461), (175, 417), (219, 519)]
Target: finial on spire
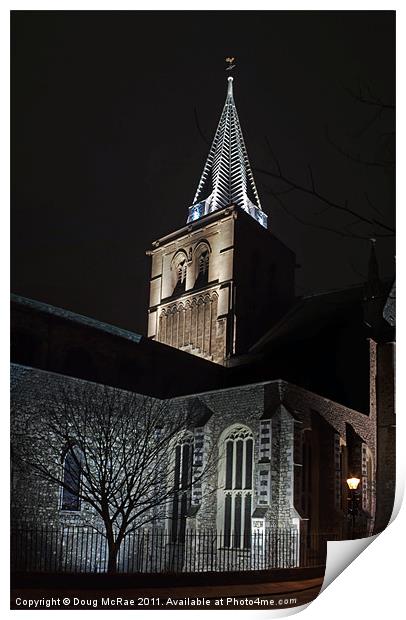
[(230, 87)]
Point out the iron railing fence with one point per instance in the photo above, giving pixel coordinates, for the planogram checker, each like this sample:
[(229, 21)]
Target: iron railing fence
[(76, 549)]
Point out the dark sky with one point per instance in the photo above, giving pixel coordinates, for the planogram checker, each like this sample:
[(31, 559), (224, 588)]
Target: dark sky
[(107, 154)]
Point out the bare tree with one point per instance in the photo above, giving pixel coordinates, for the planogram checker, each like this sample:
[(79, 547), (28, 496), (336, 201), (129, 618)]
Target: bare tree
[(109, 448), (367, 220)]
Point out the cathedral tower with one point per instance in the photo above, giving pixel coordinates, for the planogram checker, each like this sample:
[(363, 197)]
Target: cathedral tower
[(219, 282)]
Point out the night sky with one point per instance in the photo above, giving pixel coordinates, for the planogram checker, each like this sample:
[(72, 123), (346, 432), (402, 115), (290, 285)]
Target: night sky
[(110, 112)]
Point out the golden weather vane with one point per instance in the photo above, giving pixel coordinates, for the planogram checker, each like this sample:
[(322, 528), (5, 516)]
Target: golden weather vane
[(230, 62)]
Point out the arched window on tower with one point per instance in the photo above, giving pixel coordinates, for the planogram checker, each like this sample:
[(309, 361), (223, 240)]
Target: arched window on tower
[(179, 268), (182, 474), (236, 474), (182, 272), (201, 263), (203, 269), (71, 480)]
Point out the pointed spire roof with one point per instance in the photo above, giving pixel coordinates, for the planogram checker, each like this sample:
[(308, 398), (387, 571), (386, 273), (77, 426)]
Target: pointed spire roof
[(227, 177)]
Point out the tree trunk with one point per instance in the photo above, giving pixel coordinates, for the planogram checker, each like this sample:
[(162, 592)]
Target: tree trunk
[(113, 542), (112, 561)]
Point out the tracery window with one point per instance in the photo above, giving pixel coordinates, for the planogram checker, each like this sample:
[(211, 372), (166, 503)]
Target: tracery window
[(237, 508), (202, 258), (182, 472), (71, 480), (182, 272), (204, 263), (179, 271)]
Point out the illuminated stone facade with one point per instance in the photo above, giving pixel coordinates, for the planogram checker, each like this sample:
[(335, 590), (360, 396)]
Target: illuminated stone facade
[(191, 276), (217, 283)]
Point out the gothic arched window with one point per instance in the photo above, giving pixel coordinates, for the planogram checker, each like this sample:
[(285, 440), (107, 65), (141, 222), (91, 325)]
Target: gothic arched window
[(203, 265), (179, 268), (237, 489), (71, 480), (182, 474), (202, 258), (181, 272)]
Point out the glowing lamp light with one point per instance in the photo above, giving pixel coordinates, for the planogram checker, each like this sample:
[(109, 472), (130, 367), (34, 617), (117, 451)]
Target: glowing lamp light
[(353, 483)]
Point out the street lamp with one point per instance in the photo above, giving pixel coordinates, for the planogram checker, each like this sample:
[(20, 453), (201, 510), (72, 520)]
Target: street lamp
[(353, 483)]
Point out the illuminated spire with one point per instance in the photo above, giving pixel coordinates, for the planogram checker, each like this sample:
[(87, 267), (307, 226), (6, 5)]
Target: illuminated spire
[(227, 177)]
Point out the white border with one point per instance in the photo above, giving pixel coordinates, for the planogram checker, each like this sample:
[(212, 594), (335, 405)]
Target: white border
[(372, 584)]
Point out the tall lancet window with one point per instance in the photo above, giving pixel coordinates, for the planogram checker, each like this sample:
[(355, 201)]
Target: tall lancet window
[(182, 473), (204, 263), (202, 268), (237, 489), (181, 275), (71, 480), (179, 269)]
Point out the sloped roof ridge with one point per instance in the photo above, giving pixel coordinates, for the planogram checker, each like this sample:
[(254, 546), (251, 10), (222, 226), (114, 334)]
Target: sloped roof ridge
[(333, 290), (351, 287), (76, 318)]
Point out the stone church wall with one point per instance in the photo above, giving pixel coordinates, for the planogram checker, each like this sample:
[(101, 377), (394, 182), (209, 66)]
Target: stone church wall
[(35, 501), (276, 413), (245, 406)]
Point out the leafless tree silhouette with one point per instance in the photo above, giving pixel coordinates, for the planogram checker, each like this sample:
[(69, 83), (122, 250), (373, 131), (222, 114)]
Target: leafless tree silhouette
[(370, 220), (121, 444)]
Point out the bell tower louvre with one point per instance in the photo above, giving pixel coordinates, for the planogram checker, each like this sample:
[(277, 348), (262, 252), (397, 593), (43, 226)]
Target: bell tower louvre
[(218, 283)]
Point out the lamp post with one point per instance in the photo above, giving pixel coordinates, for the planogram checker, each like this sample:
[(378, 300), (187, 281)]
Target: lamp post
[(353, 483)]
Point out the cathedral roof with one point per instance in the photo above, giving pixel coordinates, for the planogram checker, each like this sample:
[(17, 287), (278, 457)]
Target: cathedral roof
[(311, 312), (59, 341), (86, 321), (227, 177)]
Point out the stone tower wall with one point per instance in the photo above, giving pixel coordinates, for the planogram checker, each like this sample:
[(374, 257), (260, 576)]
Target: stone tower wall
[(198, 316)]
